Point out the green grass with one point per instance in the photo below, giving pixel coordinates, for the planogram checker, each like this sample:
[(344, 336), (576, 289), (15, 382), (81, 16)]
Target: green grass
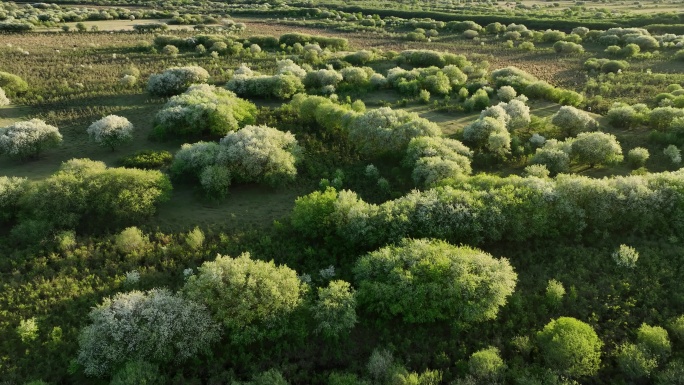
[(245, 207)]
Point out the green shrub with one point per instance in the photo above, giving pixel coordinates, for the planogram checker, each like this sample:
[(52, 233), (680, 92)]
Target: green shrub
[(554, 293), (195, 238), (655, 341), (486, 364), (677, 327), (637, 157), (12, 84), (251, 312), (147, 159), (131, 239), (138, 373), (571, 347), (634, 362), (449, 283)]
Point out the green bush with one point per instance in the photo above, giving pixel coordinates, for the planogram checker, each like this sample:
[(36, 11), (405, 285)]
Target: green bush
[(147, 159), (138, 373), (253, 312), (486, 364), (655, 341), (88, 195), (634, 362), (448, 283), (131, 239), (571, 347), (554, 293), (637, 157), (12, 84)]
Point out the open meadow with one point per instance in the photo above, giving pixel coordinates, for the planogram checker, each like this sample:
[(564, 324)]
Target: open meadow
[(342, 193)]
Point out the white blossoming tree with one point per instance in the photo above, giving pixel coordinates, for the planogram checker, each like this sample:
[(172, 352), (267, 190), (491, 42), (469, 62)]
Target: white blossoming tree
[(175, 80), (111, 131), (27, 139), (156, 326), (260, 154), (436, 158)]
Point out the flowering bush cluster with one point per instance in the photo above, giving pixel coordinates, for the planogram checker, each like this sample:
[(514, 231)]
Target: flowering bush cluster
[(27, 139), (155, 326), (111, 131), (253, 154), (511, 208), (436, 158), (386, 131), (175, 80), (204, 110), (572, 121)]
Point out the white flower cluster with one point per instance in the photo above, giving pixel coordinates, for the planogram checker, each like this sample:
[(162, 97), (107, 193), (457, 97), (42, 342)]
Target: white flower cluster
[(28, 139), (555, 155), (175, 80), (156, 326), (287, 66), (111, 131)]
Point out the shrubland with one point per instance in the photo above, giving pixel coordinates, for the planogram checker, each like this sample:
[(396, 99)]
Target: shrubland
[(465, 213)]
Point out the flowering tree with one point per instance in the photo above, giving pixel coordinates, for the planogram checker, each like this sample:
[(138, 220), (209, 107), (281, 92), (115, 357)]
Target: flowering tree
[(111, 131), (260, 154), (437, 158), (387, 131), (596, 148), (27, 139), (175, 80), (202, 110), (572, 121), (156, 326)]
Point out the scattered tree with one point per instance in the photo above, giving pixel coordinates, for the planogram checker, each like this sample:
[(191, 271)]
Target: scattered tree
[(111, 131), (28, 139)]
